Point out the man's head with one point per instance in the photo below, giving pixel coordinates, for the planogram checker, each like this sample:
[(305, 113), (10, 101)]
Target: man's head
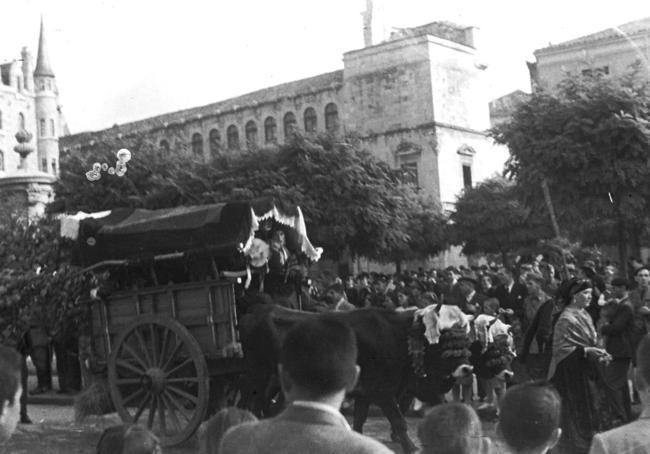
[(529, 419), (505, 276), (10, 391), (643, 370), (334, 293), (466, 286), (620, 287), (318, 359), (491, 306), (642, 276), (452, 428), (534, 282)]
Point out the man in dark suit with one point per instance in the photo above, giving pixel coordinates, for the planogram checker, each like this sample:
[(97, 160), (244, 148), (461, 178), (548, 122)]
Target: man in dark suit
[(469, 300), (617, 329), (317, 367), (511, 294)]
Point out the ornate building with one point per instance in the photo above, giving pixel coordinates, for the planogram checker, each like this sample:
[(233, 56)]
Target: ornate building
[(30, 124), (611, 51), (417, 99)]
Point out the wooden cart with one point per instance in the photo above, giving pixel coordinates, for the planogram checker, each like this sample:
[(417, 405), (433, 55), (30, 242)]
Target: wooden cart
[(171, 351)]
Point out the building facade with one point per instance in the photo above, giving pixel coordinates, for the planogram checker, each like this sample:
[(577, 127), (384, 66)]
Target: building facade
[(417, 99), (612, 51), (29, 102), (30, 124)]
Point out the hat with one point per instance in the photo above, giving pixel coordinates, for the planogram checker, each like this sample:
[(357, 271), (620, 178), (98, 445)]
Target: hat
[(467, 279), (620, 282), (578, 285)]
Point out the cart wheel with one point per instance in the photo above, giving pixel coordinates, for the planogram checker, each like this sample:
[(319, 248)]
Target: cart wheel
[(157, 373)]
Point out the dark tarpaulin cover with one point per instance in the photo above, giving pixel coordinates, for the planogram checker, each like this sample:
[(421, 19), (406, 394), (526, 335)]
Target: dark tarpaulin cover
[(127, 233)]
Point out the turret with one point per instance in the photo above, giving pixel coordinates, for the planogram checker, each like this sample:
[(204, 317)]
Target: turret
[(47, 113)]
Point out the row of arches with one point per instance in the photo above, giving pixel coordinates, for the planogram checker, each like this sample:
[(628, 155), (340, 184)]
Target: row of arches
[(269, 131)]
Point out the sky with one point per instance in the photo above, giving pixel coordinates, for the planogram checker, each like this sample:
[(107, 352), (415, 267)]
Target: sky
[(122, 60)]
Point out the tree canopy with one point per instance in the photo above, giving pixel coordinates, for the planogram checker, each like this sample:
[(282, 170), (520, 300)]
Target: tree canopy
[(589, 140), (492, 218), (351, 201)]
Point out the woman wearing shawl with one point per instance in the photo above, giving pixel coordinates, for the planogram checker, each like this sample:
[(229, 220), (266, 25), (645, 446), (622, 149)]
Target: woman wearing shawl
[(575, 371)]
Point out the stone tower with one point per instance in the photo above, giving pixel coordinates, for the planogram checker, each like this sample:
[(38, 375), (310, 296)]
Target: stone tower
[(47, 110)]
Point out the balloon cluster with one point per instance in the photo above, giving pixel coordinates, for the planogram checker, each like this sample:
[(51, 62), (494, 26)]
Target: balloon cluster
[(123, 156)]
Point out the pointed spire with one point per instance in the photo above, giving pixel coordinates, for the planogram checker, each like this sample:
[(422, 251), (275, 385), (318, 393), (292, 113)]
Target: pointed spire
[(43, 67)]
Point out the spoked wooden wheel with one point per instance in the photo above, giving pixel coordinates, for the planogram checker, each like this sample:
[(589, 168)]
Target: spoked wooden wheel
[(157, 373)]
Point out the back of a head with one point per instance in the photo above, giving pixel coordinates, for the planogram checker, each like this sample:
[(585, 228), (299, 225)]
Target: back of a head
[(112, 440), (10, 388), (140, 440), (452, 428), (529, 416), (212, 431), (10, 369), (320, 355)]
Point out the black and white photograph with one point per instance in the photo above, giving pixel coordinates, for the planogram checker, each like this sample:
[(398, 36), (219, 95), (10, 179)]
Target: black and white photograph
[(344, 226)]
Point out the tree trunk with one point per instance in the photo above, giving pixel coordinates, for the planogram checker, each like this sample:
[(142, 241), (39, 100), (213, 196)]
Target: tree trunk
[(504, 258), (398, 266)]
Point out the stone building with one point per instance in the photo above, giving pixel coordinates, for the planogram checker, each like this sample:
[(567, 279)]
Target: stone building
[(30, 124), (416, 98), (611, 51)]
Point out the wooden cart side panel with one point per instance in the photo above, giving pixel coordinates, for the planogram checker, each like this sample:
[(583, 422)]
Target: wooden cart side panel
[(206, 309)]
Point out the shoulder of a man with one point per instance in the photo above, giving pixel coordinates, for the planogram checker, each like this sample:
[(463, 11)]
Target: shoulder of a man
[(357, 443), (238, 439)]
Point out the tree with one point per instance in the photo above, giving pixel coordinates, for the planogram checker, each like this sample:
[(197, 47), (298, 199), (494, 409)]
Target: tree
[(353, 203), (590, 142), (491, 218)]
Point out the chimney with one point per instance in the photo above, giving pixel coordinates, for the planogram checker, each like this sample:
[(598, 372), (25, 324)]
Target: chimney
[(374, 25)]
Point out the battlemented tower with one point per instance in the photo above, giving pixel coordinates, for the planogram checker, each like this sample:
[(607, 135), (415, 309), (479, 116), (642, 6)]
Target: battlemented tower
[(48, 127)]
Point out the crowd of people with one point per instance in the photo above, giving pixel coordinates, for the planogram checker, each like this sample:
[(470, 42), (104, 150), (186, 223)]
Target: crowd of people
[(581, 335)]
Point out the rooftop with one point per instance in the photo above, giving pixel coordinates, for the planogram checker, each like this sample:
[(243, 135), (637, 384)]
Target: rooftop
[(629, 29), (314, 84)]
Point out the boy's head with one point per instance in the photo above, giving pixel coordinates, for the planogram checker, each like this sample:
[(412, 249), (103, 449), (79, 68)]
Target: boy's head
[(529, 417), (491, 306), (452, 428), (212, 431), (10, 391), (319, 358)]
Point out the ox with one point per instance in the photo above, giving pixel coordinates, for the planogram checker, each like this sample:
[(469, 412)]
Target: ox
[(394, 354)]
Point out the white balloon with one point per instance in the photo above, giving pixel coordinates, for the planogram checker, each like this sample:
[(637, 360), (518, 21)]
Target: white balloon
[(124, 155)]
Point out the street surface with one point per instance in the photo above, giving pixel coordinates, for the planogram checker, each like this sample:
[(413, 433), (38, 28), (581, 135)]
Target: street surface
[(55, 432)]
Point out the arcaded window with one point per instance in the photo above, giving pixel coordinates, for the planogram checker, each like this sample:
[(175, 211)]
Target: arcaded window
[(310, 119), (410, 173), (2, 160), (21, 121), (44, 164), (251, 134), (42, 129), (232, 135), (215, 141), (54, 166), (0, 119), (197, 143), (52, 130), (270, 130), (331, 117), (289, 125)]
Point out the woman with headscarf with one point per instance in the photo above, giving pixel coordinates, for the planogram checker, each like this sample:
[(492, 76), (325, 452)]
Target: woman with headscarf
[(575, 370)]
